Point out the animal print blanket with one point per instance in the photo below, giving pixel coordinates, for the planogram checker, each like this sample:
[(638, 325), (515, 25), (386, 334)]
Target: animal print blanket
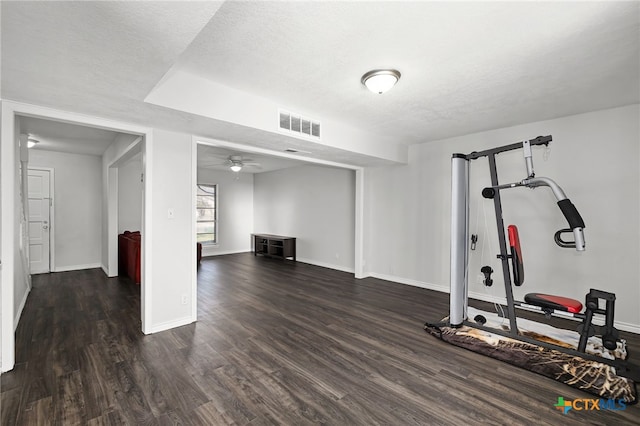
[(591, 376)]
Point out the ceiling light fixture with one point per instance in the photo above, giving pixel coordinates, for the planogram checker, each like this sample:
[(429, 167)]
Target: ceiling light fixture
[(379, 81), (32, 142), (236, 167)]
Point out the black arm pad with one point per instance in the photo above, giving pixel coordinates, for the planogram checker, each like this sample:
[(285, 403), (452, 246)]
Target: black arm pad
[(571, 214)]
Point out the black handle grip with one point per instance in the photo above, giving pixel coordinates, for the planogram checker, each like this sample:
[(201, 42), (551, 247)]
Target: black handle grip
[(571, 214), (557, 237)]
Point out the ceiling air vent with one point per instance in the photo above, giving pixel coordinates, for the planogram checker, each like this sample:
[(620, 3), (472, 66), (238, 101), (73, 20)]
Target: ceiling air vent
[(298, 125)]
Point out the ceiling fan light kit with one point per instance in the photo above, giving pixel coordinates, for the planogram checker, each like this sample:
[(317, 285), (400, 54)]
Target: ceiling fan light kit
[(237, 163)]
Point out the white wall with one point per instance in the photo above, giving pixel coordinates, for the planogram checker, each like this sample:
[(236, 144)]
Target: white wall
[(8, 231), (235, 211), (22, 283), (184, 91), (314, 204), (130, 195), (77, 207), (171, 242), (594, 158)]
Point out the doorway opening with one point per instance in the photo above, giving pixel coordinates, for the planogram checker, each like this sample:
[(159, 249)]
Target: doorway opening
[(281, 193), (15, 274)]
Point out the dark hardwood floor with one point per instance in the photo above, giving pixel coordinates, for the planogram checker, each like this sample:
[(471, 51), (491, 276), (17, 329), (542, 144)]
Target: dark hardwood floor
[(275, 343)]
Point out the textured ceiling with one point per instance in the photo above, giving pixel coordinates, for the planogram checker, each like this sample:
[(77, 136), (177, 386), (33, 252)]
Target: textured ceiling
[(466, 67)]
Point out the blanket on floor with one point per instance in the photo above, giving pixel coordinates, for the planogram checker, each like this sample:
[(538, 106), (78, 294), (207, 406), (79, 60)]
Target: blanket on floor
[(594, 377)]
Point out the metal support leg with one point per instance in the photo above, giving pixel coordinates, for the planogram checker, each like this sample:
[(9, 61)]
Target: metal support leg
[(586, 326), (609, 332), (511, 309)]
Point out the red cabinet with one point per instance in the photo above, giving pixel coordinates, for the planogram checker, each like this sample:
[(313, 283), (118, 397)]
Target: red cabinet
[(129, 255)]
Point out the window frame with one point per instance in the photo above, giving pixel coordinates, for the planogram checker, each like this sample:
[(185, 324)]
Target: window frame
[(215, 209)]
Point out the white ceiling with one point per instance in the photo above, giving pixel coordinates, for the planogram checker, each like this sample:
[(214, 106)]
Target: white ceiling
[(466, 66), (214, 158), (64, 137)]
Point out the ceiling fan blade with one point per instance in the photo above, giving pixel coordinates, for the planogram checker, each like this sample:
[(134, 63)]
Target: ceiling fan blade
[(211, 162)]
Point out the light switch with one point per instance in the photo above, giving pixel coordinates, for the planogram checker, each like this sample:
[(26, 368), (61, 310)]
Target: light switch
[(170, 214)]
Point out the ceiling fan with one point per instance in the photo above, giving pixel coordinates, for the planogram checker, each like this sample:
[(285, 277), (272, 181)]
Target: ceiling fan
[(212, 157), (236, 163)]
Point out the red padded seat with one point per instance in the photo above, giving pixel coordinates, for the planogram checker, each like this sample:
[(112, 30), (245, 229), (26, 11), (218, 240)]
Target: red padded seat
[(557, 303)]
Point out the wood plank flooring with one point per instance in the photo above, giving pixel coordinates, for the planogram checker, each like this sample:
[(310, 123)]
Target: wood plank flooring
[(275, 343)]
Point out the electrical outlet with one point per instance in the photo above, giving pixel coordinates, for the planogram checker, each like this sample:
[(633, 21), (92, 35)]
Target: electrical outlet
[(184, 299)]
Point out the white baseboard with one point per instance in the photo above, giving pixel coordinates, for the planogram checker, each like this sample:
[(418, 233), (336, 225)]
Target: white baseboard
[(78, 267), (327, 265), (16, 319), (299, 259), (486, 297), (625, 326), (407, 281), (171, 324), (207, 253)]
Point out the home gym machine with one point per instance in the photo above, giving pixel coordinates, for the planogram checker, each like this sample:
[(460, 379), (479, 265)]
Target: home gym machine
[(597, 302)]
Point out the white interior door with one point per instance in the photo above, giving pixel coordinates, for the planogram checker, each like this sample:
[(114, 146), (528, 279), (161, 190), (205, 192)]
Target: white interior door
[(39, 221)]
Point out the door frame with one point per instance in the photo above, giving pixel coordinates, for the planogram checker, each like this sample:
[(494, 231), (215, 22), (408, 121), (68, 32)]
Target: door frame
[(9, 139), (52, 215), (113, 167)]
